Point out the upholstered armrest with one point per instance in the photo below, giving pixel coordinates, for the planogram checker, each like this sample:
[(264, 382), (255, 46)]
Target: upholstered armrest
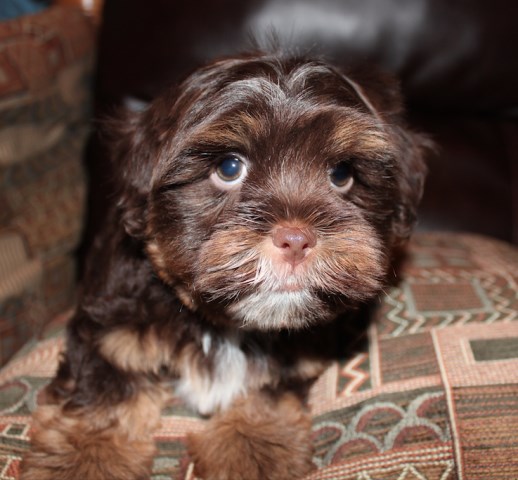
[(46, 62)]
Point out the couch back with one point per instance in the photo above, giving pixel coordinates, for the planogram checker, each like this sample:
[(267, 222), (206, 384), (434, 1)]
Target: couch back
[(455, 62)]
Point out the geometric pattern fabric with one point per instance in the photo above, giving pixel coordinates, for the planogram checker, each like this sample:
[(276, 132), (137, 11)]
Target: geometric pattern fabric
[(431, 394)]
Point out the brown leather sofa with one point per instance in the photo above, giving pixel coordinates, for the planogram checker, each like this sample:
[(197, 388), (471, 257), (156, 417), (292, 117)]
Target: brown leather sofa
[(456, 62)]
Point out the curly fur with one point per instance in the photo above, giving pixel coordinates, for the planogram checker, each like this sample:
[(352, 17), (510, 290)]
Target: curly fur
[(186, 284)]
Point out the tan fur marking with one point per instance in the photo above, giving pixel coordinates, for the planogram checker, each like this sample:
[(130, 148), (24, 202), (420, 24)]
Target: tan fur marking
[(308, 369), (185, 297), (131, 351), (235, 131), (257, 438), (113, 442), (229, 251), (363, 137), (157, 258)]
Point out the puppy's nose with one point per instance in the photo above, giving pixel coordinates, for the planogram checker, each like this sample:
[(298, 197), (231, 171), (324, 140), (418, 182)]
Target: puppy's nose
[(295, 243)]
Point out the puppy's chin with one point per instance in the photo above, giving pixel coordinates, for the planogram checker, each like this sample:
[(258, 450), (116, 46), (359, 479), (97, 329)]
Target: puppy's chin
[(289, 309)]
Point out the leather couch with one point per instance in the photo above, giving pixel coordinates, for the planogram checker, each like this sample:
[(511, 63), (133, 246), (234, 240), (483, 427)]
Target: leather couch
[(455, 61)]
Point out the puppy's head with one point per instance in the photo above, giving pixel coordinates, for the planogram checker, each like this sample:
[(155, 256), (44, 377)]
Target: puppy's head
[(269, 192)]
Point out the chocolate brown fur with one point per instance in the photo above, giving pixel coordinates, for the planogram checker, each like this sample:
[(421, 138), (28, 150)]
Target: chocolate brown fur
[(234, 291), (256, 438)]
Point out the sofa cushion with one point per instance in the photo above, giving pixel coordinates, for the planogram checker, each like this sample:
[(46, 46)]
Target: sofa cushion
[(431, 392)]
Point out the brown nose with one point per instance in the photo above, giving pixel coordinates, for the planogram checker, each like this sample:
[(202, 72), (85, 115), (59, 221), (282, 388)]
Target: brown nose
[(295, 243)]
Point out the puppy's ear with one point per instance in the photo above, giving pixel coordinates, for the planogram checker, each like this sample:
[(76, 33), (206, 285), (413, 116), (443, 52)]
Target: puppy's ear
[(132, 166), (412, 150), (379, 90), (381, 93)]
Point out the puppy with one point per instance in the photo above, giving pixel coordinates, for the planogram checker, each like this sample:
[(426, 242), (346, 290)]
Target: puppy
[(259, 204)]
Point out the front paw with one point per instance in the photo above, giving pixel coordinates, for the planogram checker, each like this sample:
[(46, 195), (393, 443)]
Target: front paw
[(89, 446), (258, 438)]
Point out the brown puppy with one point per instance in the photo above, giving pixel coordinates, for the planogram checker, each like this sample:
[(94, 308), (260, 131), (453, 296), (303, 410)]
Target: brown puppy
[(260, 202)]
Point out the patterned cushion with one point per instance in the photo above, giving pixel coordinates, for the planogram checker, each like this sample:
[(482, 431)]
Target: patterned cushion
[(45, 69), (432, 394)]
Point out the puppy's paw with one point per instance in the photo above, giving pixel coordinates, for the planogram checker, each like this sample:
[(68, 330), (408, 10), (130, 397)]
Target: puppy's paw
[(256, 439), (76, 447)]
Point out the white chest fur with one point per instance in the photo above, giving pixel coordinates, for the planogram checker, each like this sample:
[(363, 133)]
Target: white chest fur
[(212, 386)]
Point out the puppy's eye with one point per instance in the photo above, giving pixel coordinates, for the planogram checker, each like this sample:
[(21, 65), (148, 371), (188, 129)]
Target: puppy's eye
[(230, 169), (229, 172), (341, 177)]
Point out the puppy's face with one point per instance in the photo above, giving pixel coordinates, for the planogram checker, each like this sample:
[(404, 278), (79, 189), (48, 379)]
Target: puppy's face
[(269, 193)]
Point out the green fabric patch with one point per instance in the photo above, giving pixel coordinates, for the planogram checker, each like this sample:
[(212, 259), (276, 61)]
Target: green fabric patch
[(494, 349)]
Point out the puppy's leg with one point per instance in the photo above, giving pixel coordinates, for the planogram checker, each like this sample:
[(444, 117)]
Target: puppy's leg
[(106, 442), (258, 438)]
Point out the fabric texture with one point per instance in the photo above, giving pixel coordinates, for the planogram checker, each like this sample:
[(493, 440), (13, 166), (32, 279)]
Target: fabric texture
[(431, 393), (46, 62)]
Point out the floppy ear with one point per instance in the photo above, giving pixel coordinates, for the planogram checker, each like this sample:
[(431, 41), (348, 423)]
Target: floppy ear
[(378, 90), (381, 93), (132, 163), (412, 149)]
